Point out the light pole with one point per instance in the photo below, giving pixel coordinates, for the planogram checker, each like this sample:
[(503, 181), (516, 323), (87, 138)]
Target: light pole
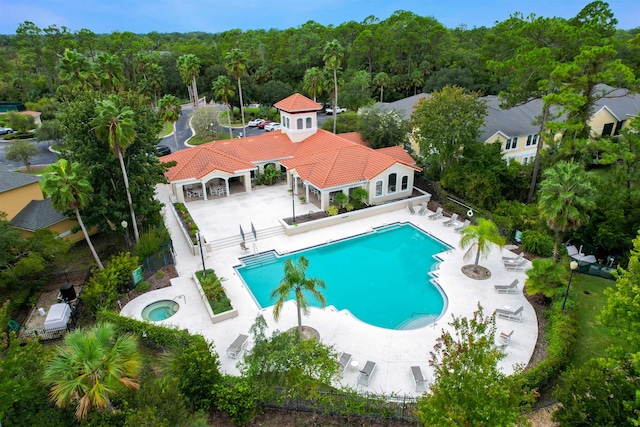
[(204, 269), (124, 225), (574, 266), (293, 198)]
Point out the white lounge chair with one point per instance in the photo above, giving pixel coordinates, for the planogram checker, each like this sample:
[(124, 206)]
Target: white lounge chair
[(460, 227), (513, 258), (516, 265), (366, 373), (505, 338), (410, 207), (345, 359), (237, 346), (451, 221), (515, 316), (418, 378), (507, 289), (436, 215), (423, 208)]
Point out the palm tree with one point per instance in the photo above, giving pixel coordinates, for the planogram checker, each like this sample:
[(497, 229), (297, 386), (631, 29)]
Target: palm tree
[(75, 70), (544, 277), (295, 280), (479, 238), (116, 127), (189, 69), (565, 196), (170, 110), (313, 80), (109, 72), (222, 90), (68, 187), (333, 54), (90, 367), (237, 66), (381, 79)]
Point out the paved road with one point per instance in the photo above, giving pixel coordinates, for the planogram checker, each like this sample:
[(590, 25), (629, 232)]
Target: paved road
[(183, 133), (45, 157)]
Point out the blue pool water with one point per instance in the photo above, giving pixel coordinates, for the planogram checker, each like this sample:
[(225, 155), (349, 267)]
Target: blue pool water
[(382, 277)]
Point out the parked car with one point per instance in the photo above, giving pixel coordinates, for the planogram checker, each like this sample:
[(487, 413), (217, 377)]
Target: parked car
[(272, 126), (255, 122), (163, 150), (339, 110), (263, 124), (4, 131)]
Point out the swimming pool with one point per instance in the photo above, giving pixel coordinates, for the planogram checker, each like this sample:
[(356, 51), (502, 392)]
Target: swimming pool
[(381, 277)]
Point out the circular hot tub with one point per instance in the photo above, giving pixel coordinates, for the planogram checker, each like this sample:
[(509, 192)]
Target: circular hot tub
[(160, 310)]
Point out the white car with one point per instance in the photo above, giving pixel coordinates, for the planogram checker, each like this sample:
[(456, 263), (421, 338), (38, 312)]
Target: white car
[(255, 122), (339, 110), (272, 126), (5, 131)]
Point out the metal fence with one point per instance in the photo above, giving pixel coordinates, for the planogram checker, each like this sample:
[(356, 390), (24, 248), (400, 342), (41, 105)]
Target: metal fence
[(368, 406), (158, 260)]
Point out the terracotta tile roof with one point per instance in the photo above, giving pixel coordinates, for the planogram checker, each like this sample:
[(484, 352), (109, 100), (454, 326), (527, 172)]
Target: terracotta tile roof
[(198, 161), (268, 146), (355, 137), (346, 164), (399, 154), (324, 159), (297, 103)]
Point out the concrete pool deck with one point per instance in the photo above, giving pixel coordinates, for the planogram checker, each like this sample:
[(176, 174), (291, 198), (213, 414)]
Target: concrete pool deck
[(394, 351)]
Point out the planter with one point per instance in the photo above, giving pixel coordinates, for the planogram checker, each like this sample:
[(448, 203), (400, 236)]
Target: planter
[(350, 216), (195, 249), (215, 318)]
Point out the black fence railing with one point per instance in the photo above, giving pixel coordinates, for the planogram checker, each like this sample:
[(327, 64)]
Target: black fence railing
[(369, 406), (158, 260)]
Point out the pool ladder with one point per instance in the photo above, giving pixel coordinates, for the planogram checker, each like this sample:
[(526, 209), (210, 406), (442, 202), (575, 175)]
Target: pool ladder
[(260, 259), (181, 296)]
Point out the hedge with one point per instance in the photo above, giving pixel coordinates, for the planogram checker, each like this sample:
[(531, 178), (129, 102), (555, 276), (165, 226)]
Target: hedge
[(561, 330)]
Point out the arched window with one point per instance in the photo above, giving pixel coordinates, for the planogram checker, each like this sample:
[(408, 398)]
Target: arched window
[(299, 124), (405, 183), (309, 123), (391, 183), (378, 188)]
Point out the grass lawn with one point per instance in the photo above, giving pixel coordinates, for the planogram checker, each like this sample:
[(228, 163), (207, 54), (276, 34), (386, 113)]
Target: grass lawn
[(166, 129), (593, 337), (197, 140)]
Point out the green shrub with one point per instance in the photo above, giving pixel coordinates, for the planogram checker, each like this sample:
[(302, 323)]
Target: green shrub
[(270, 176), (332, 210), (18, 135), (359, 196), (151, 241), (349, 207), (191, 226), (537, 243), (561, 330), (150, 335), (236, 398), (213, 290), (198, 370), (106, 285), (341, 199), (143, 286)]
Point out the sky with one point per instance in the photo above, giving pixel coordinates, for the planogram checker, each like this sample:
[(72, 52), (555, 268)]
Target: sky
[(215, 16)]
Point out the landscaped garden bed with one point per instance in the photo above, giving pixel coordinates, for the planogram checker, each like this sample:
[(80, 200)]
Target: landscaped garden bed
[(213, 295), (188, 224)]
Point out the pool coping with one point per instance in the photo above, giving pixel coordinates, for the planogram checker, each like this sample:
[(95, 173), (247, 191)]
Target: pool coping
[(433, 280), (394, 351)]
